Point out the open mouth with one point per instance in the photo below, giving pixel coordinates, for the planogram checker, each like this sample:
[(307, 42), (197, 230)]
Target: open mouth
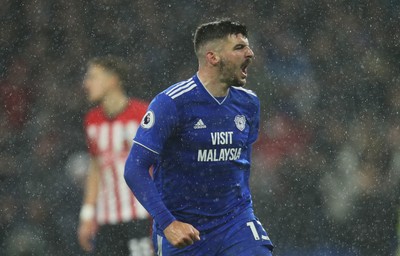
[(244, 68)]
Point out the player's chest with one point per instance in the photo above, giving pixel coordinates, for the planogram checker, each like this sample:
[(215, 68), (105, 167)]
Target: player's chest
[(115, 136), (220, 127)]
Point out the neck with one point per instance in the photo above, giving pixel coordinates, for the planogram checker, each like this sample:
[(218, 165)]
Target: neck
[(114, 103), (212, 82)]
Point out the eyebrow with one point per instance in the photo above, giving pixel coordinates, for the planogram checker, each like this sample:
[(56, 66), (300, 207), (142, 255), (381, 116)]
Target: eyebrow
[(241, 45)]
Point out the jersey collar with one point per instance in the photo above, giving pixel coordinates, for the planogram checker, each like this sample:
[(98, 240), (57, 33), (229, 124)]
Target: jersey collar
[(198, 82)]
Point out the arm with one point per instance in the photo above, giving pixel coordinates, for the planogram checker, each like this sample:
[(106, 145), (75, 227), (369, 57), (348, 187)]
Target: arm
[(255, 122), (92, 183), (156, 127), (87, 223), (137, 177)]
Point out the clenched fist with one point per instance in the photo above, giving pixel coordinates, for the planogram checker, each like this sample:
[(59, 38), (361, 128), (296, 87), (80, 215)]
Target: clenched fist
[(181, 234)]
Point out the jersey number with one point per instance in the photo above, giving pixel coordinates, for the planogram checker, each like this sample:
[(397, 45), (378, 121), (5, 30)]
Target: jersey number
[(254, 231)]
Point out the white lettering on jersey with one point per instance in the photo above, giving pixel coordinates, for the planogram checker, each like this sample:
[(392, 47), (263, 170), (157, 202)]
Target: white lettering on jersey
[(221, 138), (218, 155)]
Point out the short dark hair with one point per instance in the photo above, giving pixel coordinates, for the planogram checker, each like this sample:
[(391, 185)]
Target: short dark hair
[(114, 65), (218, 29)]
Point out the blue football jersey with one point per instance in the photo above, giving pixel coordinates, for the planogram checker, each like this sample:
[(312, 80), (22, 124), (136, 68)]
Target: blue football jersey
[(204, 147)]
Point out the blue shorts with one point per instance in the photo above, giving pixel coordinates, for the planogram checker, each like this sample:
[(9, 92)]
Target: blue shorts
[(245, 237)]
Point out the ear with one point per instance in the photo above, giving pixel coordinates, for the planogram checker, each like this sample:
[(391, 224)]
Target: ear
[(212, 58)]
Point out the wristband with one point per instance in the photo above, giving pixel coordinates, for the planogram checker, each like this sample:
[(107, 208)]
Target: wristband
[(87, 212)]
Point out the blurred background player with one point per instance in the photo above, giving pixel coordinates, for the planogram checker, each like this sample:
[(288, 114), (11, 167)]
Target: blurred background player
[(112, 221)]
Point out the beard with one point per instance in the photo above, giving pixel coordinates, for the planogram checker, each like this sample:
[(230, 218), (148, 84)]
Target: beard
[(229, 75)]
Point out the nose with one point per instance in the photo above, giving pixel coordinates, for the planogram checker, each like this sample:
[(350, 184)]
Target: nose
[(249, 53)]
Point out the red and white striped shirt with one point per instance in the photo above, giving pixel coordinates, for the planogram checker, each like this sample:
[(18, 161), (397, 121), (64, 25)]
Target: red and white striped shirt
[(109, 141)]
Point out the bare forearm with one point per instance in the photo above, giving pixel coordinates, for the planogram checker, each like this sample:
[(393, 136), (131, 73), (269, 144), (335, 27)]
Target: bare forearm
[(92, 183), (87, 224), (88, 210)]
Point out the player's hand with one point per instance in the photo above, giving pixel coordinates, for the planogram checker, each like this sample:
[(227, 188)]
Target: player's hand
[(181, 234), (86, 232)]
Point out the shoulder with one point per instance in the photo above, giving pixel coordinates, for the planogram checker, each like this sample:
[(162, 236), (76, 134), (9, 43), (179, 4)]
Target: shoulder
[(94, 114), (138, 105), (246, 95), (181, 89), (244, 92), (175, 95)]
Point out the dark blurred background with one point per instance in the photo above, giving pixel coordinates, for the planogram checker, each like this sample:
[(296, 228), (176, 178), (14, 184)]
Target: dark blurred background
[(326, 167)]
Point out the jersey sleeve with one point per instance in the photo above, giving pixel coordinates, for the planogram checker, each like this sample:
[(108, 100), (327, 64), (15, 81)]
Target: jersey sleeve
[(158, 123), (254, 122), (137, 177)]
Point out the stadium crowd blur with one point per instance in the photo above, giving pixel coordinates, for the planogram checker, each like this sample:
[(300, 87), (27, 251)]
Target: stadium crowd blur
[(326, 167)]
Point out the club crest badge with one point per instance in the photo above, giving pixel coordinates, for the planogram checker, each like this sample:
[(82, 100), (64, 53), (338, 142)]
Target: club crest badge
[(148, 120), (240, 122)]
